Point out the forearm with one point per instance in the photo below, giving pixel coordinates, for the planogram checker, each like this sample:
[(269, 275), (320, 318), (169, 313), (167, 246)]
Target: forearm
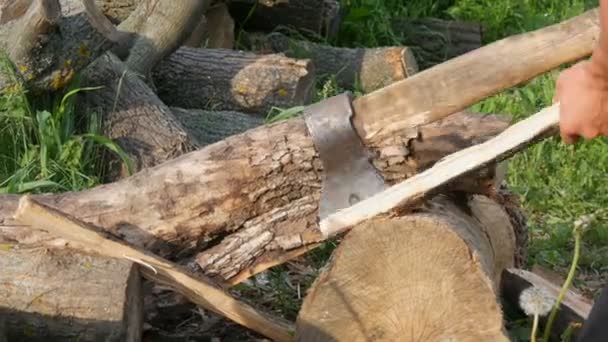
[(599, 58)]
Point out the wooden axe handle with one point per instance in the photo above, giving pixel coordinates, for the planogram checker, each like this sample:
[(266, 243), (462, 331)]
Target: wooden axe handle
[(454, 85), (513, 139)]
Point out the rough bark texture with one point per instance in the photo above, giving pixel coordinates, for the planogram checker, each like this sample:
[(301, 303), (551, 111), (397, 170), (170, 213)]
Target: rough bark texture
[(209, 127), (117, 10), (264, 208), (462, 81), (321, 17), (573, 309), (50, 43), (63, 295), (233, 80), (442, 286), (215, 30), (363, 69), (435, 41), (133, 116)]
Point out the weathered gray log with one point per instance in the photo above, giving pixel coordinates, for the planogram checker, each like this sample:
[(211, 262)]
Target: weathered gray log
[(63, 295), (215, 29), (133, 116), (48, 43), (447, 277), (208, 127), (435, 41), (244, 203), (321, 17), (366, 69), (233, 80)]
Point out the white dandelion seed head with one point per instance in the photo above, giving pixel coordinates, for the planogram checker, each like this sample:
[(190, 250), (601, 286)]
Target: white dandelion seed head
[(536, 301)]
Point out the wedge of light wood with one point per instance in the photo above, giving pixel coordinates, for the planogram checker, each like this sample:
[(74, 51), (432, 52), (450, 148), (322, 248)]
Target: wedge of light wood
[(511, 140), (89, 238), (462, 81)]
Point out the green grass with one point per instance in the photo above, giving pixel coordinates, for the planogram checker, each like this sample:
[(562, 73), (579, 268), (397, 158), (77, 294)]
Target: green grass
[(45, 145)]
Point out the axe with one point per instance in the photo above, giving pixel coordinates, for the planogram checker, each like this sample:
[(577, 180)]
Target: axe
[(353, 191)]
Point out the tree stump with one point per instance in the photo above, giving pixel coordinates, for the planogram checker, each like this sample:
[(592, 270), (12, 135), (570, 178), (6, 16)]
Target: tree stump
[(428, 276), (63, 295)]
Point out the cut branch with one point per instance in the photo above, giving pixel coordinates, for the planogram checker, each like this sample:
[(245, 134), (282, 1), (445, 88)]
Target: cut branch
[(366, 69), (319, 17), (397, 277), (248, 201), (209, 127), (233, 80), (462, 81), (435, 41), (133, 116), (63, 295), (154, 268)]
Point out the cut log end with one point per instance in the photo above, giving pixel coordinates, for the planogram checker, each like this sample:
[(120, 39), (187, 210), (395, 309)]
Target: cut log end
[(69, 296), (425, 277)]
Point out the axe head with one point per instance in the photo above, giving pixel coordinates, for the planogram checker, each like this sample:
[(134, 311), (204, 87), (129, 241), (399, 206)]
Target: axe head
[(348, 174)]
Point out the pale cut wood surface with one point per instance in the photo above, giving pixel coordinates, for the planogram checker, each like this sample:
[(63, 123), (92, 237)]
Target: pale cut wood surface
[(205, 294), (511, 140), (460, 82), (429, 276), (64, 295)]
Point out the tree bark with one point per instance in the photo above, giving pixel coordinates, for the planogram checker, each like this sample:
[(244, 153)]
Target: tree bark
[(365, 69), (48, 43), (245, 201), (62, 295), (233, 80), (435, 41), (428, 276), (133, 116), (215, 30), (320, 17), (117, 11), (208, 127)]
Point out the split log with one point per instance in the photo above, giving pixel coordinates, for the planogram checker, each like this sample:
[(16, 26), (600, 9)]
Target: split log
[(428, 276), (62, 295), (209, 127), (90, 238), (573, 309), (48, 42), (133, 116), (247, 201), (320, 17), (233, 80), (435, 41), (215, 30), (367, 69)]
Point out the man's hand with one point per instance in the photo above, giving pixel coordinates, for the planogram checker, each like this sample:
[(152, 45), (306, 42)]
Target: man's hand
[(582, 91)]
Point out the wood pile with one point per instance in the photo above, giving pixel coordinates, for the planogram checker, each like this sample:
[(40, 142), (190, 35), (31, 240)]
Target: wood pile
[(220, 195)]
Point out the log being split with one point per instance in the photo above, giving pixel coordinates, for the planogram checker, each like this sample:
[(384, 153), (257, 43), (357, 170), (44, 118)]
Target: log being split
[(367, 69), (52, 294), (85, 237), (510, 141), (233, 80), (428, 276), (321, 17), (247, 202)]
